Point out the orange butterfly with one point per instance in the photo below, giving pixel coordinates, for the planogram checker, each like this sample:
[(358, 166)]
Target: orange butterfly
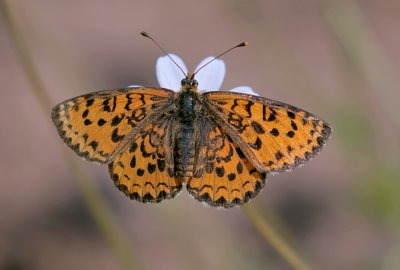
[(220, 144)]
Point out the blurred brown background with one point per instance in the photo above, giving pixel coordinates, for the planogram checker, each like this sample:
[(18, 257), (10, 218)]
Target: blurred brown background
[(338, 59)]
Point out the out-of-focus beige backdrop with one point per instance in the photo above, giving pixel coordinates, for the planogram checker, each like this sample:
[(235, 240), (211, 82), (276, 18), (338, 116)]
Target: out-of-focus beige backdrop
[(338, 59)]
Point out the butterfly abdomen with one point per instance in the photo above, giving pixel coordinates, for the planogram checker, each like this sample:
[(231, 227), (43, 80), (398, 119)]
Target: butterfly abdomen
[(184, 152)]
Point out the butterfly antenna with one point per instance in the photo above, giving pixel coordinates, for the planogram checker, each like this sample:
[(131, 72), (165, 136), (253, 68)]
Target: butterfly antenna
[(158, 45), (242, 44)]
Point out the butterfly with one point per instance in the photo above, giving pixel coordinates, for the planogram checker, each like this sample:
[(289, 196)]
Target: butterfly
[(220, 144)]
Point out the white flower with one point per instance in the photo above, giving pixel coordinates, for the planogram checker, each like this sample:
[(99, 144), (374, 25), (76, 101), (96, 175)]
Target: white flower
[(210, 78)]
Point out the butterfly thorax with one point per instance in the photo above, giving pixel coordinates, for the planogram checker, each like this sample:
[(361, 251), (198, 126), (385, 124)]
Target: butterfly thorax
[(186, 99), (186, 103)]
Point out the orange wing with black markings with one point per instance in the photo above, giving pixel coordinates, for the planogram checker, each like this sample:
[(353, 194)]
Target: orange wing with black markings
[(223, 176), (144, 171), (275, 136), (99, 125)]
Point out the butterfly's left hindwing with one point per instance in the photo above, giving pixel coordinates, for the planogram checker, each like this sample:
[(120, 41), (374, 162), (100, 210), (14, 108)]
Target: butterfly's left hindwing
[(94, 125), (275, 136)]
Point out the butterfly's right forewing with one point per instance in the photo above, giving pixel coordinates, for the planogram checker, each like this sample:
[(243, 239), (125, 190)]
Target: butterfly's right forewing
[(273, 135)]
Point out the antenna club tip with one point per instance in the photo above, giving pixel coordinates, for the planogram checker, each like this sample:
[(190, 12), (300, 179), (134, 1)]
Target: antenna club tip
[(143, 33), (243, 44)]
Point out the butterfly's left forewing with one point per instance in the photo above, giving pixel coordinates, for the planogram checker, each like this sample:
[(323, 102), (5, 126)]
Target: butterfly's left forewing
[(273, 135), (97, 125)]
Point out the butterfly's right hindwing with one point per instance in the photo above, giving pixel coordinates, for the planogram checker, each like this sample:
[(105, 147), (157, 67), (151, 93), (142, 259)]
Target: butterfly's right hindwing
[(223, 176)]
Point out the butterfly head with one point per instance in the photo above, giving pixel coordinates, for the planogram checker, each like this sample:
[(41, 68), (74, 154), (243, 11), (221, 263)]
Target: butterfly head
[(189, 83)]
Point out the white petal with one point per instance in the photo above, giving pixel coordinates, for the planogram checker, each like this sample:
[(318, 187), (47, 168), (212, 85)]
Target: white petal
[(168, 74), (210, 78), (244, 90)]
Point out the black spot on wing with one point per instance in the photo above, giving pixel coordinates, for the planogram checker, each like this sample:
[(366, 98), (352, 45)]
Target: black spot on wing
[(94, 145), (291, 115), (290, 134), (117, 119), (161, 165), (220, 171), (133, 162), (293, 125), (87, 122), (256, 145), (89, 102), (133, 147), (274, 132), (239, 167), (240, 153), (115, 137), (257, 127), (151, 168), (85, 113), (231, 176), (140, 172), (101, 122), (278, 155)]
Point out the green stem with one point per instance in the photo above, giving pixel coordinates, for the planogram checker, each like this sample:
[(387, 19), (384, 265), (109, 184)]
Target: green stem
[(274, 239), (94, 201)]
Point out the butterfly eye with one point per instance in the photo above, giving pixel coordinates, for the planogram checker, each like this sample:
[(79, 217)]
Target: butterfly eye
[(195, 83), (184, 81)]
